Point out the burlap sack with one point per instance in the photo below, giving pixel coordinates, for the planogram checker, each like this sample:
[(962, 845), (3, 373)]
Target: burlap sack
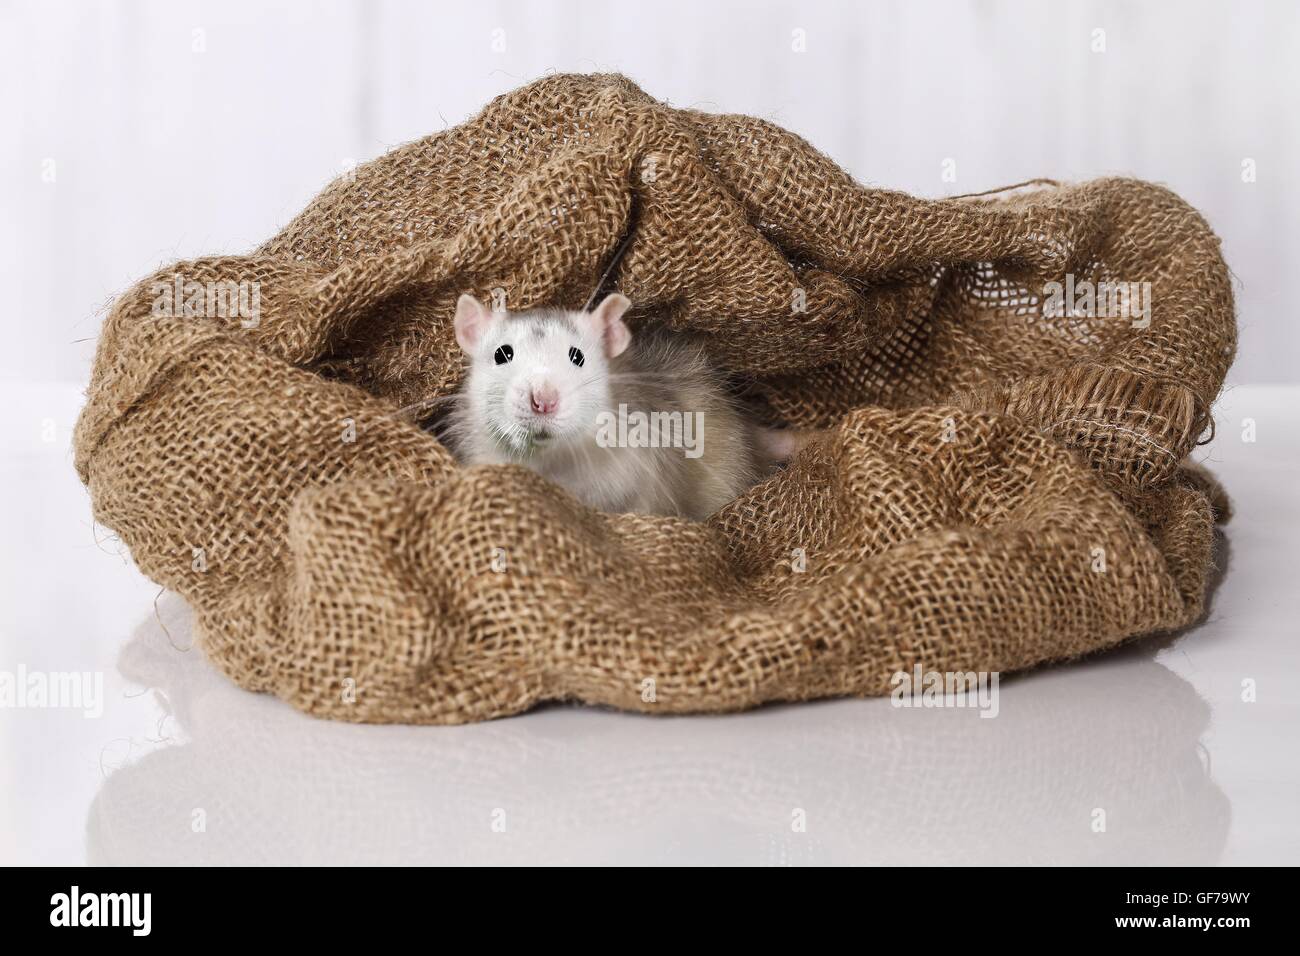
[(999, 485)]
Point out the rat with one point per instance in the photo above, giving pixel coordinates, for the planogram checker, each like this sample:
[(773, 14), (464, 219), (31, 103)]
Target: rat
[(625, 424)]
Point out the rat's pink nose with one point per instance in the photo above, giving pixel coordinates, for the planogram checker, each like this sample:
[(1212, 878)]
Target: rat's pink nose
[(545, 399)]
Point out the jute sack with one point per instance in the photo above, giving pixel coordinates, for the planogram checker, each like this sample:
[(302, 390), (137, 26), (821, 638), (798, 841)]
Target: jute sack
[(999, 484)]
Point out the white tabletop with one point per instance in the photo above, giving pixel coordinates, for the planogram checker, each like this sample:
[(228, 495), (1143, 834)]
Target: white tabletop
[(180, 766)]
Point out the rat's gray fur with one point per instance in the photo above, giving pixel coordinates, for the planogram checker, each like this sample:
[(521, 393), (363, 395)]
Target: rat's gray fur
[(657, 373)]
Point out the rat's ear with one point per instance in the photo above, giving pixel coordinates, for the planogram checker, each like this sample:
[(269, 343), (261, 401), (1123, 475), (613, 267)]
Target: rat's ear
[(608, 319), (472, 318)]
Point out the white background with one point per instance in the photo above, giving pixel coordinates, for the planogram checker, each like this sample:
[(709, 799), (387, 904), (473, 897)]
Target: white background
[(178, 129)]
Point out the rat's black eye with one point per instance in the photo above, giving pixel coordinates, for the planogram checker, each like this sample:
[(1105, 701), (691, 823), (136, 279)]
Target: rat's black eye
[(504, 354), (575, 356)]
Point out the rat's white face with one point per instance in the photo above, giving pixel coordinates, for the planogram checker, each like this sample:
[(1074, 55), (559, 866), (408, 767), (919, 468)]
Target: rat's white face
[(539, 379)]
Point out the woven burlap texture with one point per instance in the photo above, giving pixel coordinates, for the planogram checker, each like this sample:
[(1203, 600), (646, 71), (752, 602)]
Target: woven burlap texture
[(994, 488)]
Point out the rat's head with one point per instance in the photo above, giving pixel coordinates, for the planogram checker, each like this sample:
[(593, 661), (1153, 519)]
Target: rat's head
[(538, 378)]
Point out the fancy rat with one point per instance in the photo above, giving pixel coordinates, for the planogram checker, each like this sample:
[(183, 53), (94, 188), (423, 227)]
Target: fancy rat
[(626, 425)]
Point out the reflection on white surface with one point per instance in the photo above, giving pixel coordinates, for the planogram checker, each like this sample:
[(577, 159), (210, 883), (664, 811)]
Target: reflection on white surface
[(877, 784)]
